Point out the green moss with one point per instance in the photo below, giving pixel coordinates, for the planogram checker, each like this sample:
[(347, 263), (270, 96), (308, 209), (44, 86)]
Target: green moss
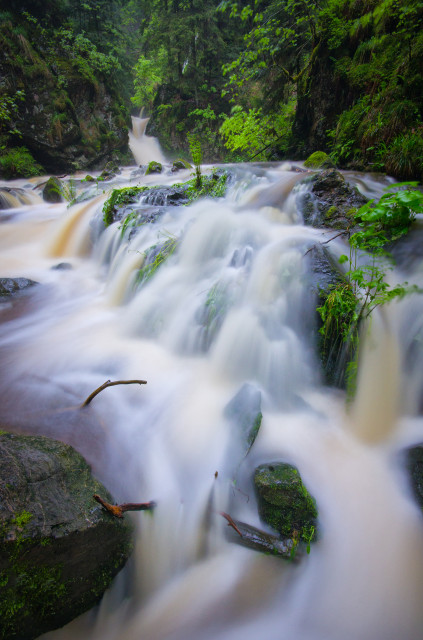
[(119, 198), (154, 167), (284, 502), (27, 594), (318, 160)]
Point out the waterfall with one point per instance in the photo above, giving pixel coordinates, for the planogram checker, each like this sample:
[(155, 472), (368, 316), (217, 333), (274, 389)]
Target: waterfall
[(144, 148), (230, 304)]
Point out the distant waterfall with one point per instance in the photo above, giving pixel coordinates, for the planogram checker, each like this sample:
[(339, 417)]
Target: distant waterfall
[(144, 148)]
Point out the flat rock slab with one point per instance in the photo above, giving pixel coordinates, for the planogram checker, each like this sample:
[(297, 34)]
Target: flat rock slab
[(59, 550)]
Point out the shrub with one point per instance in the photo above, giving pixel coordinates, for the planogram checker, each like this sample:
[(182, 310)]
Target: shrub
[(19, 163)]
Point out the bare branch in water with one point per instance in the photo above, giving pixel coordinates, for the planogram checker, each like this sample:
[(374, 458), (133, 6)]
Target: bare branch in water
[(231, 523), (106, 384), (118, 510)]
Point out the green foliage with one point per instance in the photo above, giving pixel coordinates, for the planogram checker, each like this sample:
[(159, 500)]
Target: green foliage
[(252, 132), (404, 157), (148, 74), (197, 157), (18, 162), (365, 287), (8, 109)]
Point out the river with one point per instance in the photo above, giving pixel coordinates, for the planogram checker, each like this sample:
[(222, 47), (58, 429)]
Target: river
[(89, 321)]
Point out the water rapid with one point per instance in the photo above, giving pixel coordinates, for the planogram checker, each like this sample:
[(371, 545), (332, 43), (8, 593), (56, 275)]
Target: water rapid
[(231, 304)]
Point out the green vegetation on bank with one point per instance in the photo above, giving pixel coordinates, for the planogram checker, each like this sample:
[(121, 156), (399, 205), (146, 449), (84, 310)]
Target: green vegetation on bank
[(365, 286)]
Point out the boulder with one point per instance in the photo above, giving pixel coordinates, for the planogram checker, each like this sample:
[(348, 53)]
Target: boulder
[(179, 165), (319, 160), (53, 190), (284, 503), (154, 167), (58, 549), (329, 201)]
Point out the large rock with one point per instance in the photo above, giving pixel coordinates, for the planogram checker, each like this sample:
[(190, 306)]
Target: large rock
[(284, 503), (58, 549), (329, 201)]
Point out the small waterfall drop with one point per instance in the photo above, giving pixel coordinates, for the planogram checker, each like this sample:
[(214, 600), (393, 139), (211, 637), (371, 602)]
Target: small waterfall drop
[(144, 148)]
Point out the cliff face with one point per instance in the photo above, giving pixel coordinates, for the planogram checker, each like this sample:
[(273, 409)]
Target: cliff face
[(65, 113)]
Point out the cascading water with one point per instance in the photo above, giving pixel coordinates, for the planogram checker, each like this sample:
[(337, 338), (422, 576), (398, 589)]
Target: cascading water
[(144, 148), (231, 304)]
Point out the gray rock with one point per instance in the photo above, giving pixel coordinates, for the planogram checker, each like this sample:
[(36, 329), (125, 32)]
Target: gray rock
[(12, 286), (414, 466), (244, 412), (58, 549), (329, 201)]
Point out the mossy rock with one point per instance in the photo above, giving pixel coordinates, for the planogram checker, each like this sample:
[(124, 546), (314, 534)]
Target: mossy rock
[(179, 165), (58, 549), (53, 190), (284, 502), (154, 167), (110, 171), (319, 160)]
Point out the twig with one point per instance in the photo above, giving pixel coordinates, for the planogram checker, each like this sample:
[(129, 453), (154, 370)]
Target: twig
[(108, 383), (118, 510), (231, 523)]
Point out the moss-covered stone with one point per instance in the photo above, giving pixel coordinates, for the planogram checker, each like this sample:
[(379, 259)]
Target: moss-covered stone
[(179, 165), (53, 190), (153, 167), (284, 502), (58, 550), (319, 160)]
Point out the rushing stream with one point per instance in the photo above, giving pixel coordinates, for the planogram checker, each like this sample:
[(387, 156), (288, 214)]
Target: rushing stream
[(231, 304)]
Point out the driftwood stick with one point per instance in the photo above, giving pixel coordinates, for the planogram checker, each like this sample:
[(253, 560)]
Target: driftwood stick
[(118, 510), (231, 523), (109, 383)]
